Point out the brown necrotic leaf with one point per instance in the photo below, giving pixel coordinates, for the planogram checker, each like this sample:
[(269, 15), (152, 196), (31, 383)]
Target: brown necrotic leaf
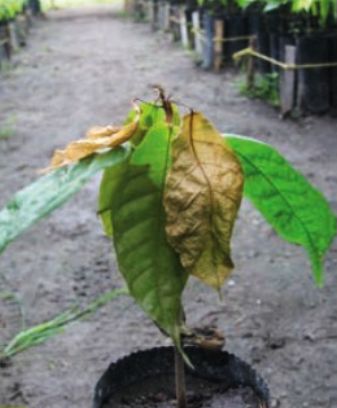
[(202, 197)]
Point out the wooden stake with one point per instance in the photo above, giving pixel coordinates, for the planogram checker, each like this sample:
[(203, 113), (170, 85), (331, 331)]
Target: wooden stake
[(154, 14), (183, 28), (167, 14), (197, 35), (288, 81), (126, 6), (219, 35)]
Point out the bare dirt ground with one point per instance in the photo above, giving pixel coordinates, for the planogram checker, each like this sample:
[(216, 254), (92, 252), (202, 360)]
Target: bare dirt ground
[(81, 69)]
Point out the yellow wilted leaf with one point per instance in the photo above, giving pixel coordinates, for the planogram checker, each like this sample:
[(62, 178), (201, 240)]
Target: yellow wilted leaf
[(102, 131), (97, 138), (202, 197)]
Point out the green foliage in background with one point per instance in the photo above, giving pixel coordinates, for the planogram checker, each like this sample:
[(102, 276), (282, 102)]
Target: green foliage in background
[(318, 8), (321, 9), (10, 8), (55, 4), (266, 87)]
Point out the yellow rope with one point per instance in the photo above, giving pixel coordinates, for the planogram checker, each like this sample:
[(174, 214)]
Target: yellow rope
[(230, 39), (252, 53), (219, 39)]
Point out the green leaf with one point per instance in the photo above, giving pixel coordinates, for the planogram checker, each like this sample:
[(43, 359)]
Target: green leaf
[(151, 115), (42, 332), (108, 189), (49, 192), (298, 211), (150, 266)]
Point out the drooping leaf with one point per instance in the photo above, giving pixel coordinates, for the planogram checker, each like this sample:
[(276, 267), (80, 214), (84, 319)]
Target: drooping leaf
[(49, 192), (38, 334), (97, 138), (202, 198), (109, 188), (297, 211), (150, 266)]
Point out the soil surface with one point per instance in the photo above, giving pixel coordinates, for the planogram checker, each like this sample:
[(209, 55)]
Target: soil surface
[(201, 394), (81, 69)]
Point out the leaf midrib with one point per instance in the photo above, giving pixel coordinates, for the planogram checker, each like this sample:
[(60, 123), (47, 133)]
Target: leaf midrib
[(269, 180), (210, 190)]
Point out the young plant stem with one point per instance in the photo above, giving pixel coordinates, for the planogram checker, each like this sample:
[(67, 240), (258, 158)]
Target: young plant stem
[(180, 379)]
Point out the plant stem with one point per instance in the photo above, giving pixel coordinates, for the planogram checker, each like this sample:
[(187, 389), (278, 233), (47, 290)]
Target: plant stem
[(180, 379)]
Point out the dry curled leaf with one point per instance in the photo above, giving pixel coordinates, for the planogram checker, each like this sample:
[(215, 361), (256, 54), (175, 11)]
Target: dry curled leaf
[(97, 138), (102, 131), (202, 197)]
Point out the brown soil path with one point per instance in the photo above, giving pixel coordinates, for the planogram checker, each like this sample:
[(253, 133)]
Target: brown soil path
[(82, 69)]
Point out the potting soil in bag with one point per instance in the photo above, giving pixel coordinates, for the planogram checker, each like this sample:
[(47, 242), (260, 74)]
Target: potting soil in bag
[(188, 15), (255, 23), (4, 45), (175, 27), (313, 83), (235, 26), (3, 54), (274, 26), (275, 51), (333, 71), (35, 6)]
